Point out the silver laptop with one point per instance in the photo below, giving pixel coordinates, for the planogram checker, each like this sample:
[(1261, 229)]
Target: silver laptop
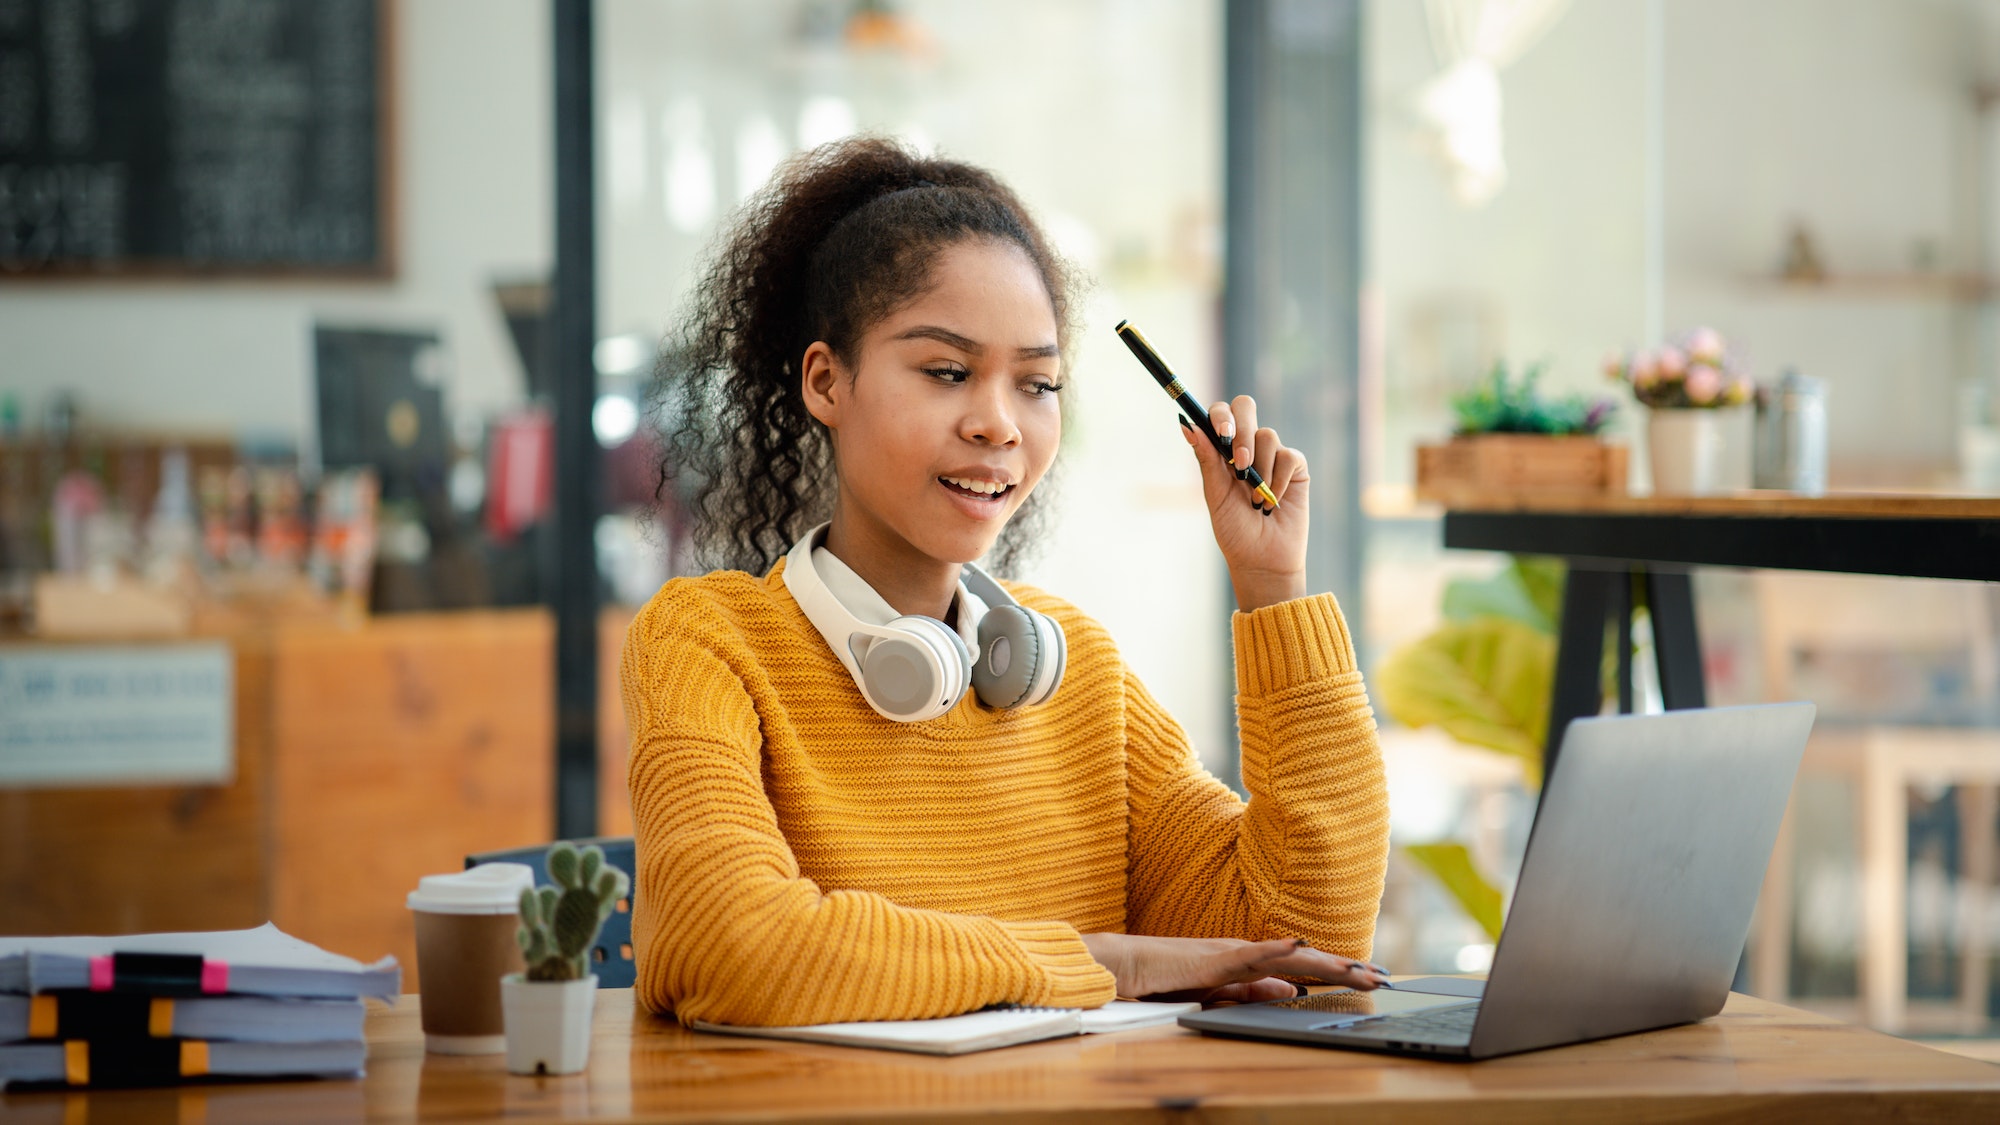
[(1633, 904)]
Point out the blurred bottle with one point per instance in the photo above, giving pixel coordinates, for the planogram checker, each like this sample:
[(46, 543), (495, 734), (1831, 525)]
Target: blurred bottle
[(76, 500), (344, 532), (1978, 438), (281, 524), (1791, 435), (171, 538)]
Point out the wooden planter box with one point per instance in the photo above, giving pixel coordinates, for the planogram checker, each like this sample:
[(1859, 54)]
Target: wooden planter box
[(1519, 463)]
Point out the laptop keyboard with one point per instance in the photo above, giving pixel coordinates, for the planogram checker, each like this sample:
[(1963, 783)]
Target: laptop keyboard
[(1449, 1026)]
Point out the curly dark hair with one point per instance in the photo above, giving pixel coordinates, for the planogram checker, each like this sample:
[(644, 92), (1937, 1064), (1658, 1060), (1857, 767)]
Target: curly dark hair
[(842, 236)]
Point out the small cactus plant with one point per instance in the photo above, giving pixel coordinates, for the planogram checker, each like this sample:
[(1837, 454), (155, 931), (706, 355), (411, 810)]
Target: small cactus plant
[(560, 923)]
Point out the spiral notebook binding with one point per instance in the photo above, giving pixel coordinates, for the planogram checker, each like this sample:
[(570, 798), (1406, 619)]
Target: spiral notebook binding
[(1008, 1006)]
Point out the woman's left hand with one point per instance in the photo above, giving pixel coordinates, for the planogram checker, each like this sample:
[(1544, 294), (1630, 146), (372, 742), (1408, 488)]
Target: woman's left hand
[(1222, 970), (1265, 550)]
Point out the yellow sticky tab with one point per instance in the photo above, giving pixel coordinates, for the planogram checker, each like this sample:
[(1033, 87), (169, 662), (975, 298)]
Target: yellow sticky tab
[(76, 1062), (42, 1017), (160, 1020), (194, 1058)]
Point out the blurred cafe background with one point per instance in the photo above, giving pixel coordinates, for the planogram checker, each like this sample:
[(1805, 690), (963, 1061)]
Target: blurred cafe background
[(327, 453)]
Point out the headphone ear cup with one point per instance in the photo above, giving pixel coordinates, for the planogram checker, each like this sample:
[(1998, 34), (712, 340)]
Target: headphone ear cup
[(1012, 651), (920, 673), (960, 669), (1054, 660)]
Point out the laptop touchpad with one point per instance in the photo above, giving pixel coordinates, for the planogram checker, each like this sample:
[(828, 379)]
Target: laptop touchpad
[(1346, 1006)]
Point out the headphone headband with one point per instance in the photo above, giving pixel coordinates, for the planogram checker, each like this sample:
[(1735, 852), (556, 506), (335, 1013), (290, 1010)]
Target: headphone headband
[(915, 667)]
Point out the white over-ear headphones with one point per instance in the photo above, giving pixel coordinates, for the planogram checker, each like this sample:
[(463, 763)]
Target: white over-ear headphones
[(914, 667)]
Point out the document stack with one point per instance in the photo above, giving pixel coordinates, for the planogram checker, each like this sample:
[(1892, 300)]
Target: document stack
[(162, 1009)]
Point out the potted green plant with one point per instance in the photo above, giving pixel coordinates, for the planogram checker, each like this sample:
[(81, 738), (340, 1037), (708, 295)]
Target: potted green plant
[(1483, 677), (548, 1008), (1507, 436), (1698, 426)]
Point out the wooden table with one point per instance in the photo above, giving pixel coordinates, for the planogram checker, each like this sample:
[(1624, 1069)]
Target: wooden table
[(1618, 544), (1757, 1062)]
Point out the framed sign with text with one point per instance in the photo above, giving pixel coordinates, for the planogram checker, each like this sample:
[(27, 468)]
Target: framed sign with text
[(90, 715)]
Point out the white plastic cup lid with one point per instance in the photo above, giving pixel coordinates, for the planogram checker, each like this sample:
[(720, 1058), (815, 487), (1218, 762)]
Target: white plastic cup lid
[(490, 888)]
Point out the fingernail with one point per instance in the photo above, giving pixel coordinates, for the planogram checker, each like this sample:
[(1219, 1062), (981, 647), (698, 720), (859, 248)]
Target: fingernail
[(1266, 511), (1302, 989), (1184, 424), (1301, 943)]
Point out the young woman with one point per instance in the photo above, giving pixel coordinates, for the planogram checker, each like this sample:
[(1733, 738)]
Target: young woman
[(880, 348)]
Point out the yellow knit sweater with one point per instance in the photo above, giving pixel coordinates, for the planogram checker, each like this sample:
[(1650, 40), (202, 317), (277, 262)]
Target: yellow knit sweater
[(803, 860)]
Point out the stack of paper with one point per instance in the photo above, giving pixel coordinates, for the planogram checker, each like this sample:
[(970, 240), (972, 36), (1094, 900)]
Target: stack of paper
[(158, 1009)]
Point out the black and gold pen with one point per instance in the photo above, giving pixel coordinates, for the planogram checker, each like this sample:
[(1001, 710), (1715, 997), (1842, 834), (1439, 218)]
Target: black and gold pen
[(1190, 409)]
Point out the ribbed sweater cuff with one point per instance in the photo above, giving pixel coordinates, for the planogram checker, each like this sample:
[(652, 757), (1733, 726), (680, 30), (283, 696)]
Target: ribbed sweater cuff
[(1071, 978), (1290, 643)]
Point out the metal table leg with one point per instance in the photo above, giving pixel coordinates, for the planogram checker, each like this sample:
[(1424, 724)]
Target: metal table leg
[(1589, 597), (1676, 641)]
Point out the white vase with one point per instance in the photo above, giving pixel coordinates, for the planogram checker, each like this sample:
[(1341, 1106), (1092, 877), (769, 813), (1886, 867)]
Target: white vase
[(1699, 452), (548, 1023)]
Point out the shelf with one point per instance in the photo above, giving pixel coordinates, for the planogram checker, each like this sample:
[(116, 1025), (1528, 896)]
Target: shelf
[(1891, 287)]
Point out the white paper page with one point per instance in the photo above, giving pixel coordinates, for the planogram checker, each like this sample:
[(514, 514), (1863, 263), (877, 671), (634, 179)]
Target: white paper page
[(266, 946), (974, 1031), (1124, 1015)]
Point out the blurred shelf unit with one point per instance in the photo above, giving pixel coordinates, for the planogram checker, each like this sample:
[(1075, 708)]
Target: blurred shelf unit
[(127, 462), (1961, 288)]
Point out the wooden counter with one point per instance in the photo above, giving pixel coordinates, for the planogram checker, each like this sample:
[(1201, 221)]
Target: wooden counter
[(366, 756), (1758, 1063)]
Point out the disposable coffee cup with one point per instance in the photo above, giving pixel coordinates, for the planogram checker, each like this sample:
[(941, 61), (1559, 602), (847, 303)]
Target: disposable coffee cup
[(465, 944)]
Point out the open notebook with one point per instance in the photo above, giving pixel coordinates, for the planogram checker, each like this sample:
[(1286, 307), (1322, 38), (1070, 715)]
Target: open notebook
[(973, 1031)]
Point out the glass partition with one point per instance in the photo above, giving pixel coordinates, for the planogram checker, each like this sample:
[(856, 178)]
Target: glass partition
[(1564, 185), (1104, 117)]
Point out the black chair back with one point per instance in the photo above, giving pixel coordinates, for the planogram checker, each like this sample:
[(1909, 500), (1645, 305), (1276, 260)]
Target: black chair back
[(611, 957)]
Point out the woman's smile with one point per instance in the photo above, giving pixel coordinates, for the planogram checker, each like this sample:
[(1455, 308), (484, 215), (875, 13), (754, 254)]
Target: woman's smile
[(980, 496)]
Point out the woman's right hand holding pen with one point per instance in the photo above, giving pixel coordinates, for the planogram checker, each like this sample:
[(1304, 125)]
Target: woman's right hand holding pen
[(1265, 550)]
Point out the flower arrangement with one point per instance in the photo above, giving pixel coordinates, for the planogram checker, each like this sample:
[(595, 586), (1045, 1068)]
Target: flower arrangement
[(1695, 373), (1500, 404)]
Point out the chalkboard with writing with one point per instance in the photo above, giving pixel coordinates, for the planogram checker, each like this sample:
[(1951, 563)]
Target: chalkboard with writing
[(192, 136)]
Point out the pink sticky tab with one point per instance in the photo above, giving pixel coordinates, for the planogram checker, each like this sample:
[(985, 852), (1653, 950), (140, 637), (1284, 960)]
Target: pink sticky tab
[(215, 976), (100, 974)]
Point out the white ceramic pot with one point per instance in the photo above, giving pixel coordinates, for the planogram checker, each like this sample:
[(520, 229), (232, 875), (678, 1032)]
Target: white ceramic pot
[(548, 1023), (1699, 452)]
